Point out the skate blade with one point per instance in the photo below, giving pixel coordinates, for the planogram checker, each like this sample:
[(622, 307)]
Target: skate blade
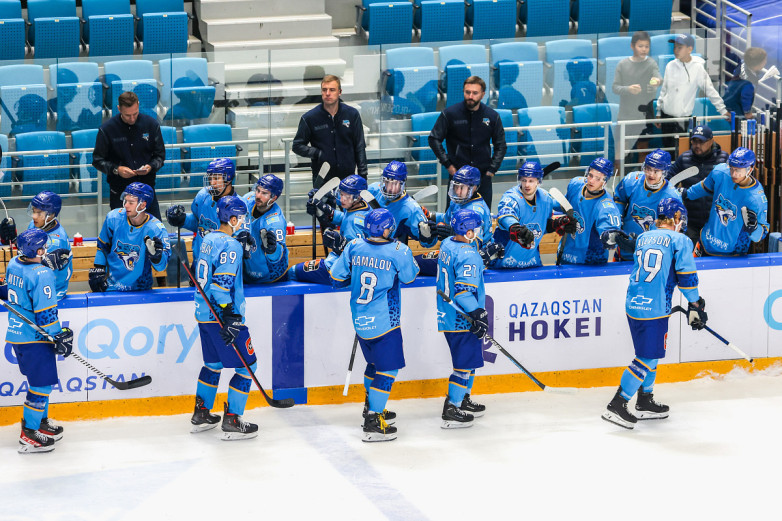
[(30, 449), (371, 437), (233, 436), (202, 427), (475, 414), (56, 437), (616, 420), (648, 415), (451, 424)]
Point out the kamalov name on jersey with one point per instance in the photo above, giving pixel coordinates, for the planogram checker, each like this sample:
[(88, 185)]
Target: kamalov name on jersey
[(371, 262)]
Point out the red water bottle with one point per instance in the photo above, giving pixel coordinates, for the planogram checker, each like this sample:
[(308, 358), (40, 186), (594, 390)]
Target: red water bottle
[(291, 229)]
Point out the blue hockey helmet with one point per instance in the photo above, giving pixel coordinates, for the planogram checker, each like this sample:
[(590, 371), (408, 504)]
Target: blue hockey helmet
[(272, 183), (142, 191), (531, 169), (741, 158), (659, 159), (30, 241), (47, 201), (468, 175), (395, 170), (669, 207), (230, 206), (378, 221), (465, 220), (224, 166), (353, 185), (392, 184), (602, 165)]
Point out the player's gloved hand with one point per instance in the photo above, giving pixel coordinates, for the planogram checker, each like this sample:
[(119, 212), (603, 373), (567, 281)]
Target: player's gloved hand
[(565, 224), (63, 342), (320, 209), (521, 235), (268, 241), (176, 215), (248, 243), (480, 322), (626, 242), (683, 192), (232, 323), (155, 248), (98, 279), (333, 240), (612, 238), (3, 289), (425, 231), (750, 219), (442, 230), (7, 230), (696, 314), (429, 215), (57, 259), (490, 252)]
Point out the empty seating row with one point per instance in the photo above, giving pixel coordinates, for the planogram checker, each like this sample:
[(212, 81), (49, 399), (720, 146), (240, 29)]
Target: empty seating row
[(106, 28)]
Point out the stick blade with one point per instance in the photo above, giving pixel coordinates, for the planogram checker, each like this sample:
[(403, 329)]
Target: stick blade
[(285, 403), (130, 384)]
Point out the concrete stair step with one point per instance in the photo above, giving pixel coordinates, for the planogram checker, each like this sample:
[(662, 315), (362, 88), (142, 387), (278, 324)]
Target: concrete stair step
[(213, 9), (255, 51), (267, 27), (285, 70)]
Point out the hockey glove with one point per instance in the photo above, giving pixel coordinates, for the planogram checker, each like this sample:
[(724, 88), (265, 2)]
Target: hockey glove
[(320, 209), (57, 259), (564, 225), (63, 342), (333, 240), (480, 322), (750, 219), (3, 289), (247, 242), (683, 192), (268, 241), (425, 230), (7, 230), (176, 215), (232, 324), (696, 314), (521, 235), (614, 238), (429, 215), (491, 252), (442, 230), (155, 248), (98, 279)]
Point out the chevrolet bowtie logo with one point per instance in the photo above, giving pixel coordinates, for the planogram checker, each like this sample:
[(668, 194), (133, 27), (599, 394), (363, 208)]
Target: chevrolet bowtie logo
[(363, 321), (640, 300), (440, 314)]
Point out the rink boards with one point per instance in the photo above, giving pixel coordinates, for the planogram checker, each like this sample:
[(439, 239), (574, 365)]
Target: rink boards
[(565, 324)]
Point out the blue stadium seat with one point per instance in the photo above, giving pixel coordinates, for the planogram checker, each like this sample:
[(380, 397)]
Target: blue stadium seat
[(137, 76), (48, 141), (704, 107), (108, 27), (439, 20), (12, 39), (518, 74), (54, 31), (614, 46), (209, 133), (423, 123), (186, 91), (387, 22), (5, 163), (610, 73), (597, 16), (170, 175), (411, 79), (511, 136), (545, 17), (459, 62), (491, 18), (647, 15), (78, 100), (557, 141), (565, 49), (22, 99), (575, 82), (87, 174), (593, 113), (162, 25), (661, 45)]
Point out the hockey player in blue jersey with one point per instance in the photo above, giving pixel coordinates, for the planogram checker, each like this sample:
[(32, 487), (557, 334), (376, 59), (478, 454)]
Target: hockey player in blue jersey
[(739, 208), (524, 215), (130, 244), (44, 210), (598, 221), (268, 228), (350, 219), (663, 260), (460, 276), (32, 292), (219, 271), (390, 193), (373, 267), (637, 195)]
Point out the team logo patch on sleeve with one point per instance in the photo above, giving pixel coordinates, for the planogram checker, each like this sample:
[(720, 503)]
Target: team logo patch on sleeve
[(486, 121), (346, 123)]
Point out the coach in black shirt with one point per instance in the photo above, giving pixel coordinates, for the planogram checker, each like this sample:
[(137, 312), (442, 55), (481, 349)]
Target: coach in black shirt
[(129, 148), (469, 129)]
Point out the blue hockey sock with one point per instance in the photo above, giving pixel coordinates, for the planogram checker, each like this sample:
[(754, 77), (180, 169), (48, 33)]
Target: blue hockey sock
[(648, 383), (208, 380), (634, 375), (369, 375), (470, 381), (239, 390), (458, 386), (35, 404), (381, 388)]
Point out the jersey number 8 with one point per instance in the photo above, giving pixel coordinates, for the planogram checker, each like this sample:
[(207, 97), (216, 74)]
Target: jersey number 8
[(368, 283)]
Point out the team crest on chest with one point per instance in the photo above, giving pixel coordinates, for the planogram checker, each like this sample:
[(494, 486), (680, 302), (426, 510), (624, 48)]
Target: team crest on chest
[(129, 254), (643, 216), (726, 211)]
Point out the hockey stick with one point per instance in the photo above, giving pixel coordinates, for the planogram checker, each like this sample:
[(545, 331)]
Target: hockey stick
[(684, 174), (122, 386), (550, 168), (468, 318), (423, 193), (178, 268), (350, 365), (280, 404), (717, 335), (565, 204), (318, 183), (367, 196)]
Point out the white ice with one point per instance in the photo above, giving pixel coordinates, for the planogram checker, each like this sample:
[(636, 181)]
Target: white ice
[(534, 456)]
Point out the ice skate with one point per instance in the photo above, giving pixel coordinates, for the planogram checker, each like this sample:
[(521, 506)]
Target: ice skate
[(647, 409), (617, 413), (202, 419), (388, 415), (470, 407), (34, 441), (51, 429), (377, 429), (454, 417), (235, 428)]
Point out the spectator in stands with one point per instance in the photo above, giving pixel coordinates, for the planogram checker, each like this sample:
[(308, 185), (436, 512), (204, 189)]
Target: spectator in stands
[(332, 133), (635, 81), (740, 90), (129, 148), (469, 129), (684, 76), (705, 154)]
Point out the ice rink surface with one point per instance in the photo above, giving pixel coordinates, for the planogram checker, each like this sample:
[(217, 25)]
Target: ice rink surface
[(538, 456)]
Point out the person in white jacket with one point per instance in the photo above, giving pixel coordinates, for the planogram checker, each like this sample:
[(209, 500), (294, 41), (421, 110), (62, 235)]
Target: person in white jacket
[(684, 77)]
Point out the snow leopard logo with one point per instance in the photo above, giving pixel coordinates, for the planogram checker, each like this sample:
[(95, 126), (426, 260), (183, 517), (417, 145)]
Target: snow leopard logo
[(726, 211), (129, 254), (206, 225), (643, 216), (579, 224)]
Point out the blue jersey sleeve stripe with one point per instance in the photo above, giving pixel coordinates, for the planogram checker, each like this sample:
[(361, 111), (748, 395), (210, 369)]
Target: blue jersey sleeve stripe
[(685, 272)]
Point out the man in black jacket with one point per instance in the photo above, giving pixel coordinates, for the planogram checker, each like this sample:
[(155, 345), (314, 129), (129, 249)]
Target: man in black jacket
[(129, 148), (469, 130), (705, 154), (332, 133)]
